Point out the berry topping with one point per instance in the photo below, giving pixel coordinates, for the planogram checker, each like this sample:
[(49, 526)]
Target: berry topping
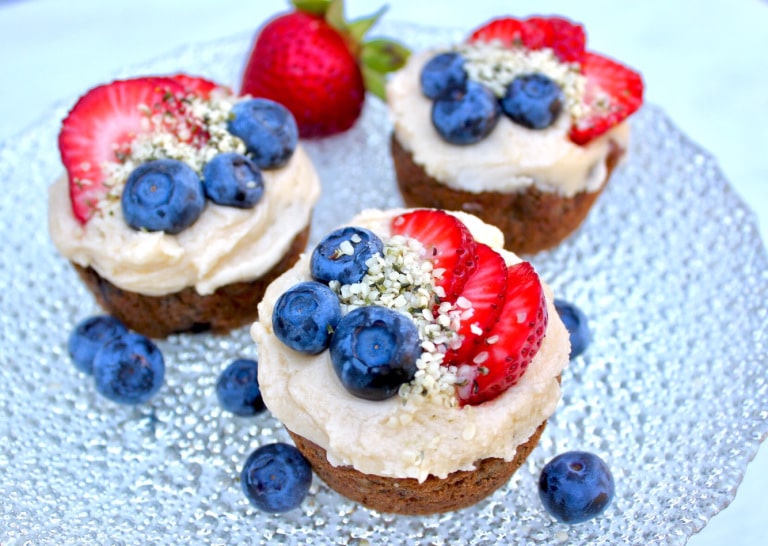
[(268, 130), (129, 369), (576, 486), (162, 195), (466, 116), (238, 388), (276, 478), (316, 63), (449, 246), (342, 255), (577, 325), (374, 351), (194, 85), (480, 304), (233, 180), (442, 73), (512, 342), (89, 336), (305, 316), (613, 93), (533, 101)]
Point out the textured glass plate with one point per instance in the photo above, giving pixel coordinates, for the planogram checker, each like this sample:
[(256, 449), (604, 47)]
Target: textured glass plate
[(672, 393)]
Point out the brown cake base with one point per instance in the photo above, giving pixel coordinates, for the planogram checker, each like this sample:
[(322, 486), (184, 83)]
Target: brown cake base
[(229, 307), (531, 220), (409, 496)]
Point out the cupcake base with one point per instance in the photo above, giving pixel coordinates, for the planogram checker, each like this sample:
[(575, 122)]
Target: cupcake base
[(229, 307), (408, 496), (531, 220)]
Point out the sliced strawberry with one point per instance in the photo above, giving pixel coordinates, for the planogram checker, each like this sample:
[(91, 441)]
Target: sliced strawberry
[(100, 127), (568, 40), (613, 93), (449, 245), (484, 293), (507, 30), (195, 85), (513, 341)]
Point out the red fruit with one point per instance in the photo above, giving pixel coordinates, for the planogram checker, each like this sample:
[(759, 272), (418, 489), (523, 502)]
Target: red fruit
[(512, 343), (99, 129), (194, 85), (613, 93), (448, 243), (565, 38), (485, 291)]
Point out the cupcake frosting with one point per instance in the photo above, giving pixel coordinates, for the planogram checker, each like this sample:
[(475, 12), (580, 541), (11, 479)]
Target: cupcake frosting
[(412, 436)]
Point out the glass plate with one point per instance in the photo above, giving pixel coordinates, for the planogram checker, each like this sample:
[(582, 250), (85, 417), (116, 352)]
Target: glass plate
[(672, 393)]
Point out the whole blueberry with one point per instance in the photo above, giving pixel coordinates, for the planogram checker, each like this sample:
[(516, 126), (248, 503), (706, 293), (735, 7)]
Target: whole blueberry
[(129, 369), (162, 195), (233, 180), (466, 116), (533, 101), (374, 350), (576, 486), (238, 388), (305, 315), (268, 129), (276, 477), (577, 324), (443, 72), (342, 254), (89, 336)]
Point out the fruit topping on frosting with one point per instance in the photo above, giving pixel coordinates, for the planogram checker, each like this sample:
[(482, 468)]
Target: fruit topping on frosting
[(316, 63), (342, 255), (305, 317), (159, 146), (538, 70)]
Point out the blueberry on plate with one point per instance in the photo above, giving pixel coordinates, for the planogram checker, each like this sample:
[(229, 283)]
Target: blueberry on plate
[(466, 116), (276, 477), (129, 369), (374, 350), (342, 254), (443, 72), (268, 129), (89, 336), (305, 316), (577, 324), (162, 195), (233, 180), (576, 486), (533, 100), (238, 388)]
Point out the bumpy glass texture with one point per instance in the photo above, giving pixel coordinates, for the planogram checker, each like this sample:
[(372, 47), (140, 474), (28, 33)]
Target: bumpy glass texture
[(672, 393)]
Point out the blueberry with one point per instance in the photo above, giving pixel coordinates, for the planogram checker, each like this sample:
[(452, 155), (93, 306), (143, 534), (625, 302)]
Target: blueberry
[(129, 369), (305, 316), (443, 72), (533, 101), (374, 351), (276, 477), (342, 254), (163, 195), (576, 486), (466, 116), (577, 324), (268, 130), (233, 180), (89, 336), (238, 388)]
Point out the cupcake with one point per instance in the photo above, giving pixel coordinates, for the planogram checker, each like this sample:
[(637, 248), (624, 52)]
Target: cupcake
[(412, 359), (519, 125), (180, 201)]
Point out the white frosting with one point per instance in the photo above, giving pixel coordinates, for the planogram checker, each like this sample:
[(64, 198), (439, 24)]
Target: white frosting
[(225, 245), (397, 438), (511, 158)]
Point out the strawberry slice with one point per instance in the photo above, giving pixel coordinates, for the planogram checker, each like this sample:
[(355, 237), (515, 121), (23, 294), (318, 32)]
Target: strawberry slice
[(511, 344), (449, 245), (484, 293), (195, 85), (613, 93)]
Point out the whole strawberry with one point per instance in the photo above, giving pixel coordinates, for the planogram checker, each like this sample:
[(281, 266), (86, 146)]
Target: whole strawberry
[(316, 64)]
